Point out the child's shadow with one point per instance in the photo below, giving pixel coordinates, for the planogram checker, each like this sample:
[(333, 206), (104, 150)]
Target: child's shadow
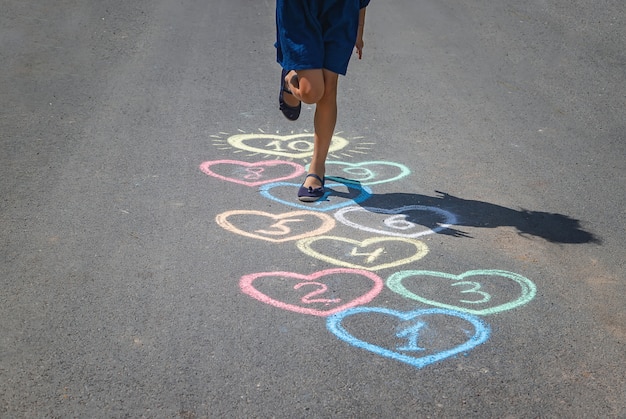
[(555, 228)]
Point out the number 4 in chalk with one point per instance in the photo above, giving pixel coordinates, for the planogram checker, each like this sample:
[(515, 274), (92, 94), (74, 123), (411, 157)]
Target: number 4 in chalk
[(411, 334), (371, 257)]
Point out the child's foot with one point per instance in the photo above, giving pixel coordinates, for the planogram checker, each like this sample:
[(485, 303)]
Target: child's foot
[(291, 79), (311, 191), (315, 177), (289, 105), (313, 181)]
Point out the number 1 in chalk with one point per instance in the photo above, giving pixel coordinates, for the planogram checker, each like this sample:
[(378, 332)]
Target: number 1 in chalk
[(411, 334)]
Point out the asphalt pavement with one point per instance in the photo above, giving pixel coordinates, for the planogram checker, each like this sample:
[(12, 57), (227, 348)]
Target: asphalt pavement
[(467, 261)]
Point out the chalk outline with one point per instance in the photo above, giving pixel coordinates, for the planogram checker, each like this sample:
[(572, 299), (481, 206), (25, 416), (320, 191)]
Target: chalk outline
[(328, 223), (481, 334), (421, 361), (237, 141), (450, 219), (305, 247), (528, 288), (404, 171), (246, 286), (205, 168), (320, 204)]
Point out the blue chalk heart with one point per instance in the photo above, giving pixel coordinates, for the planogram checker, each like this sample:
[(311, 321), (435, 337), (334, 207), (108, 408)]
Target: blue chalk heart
[(323, 204), (481, 334)]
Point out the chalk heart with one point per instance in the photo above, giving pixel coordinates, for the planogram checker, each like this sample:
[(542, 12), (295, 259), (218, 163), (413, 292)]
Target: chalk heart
[(329, 202), (253, 174), (299, 284), (370, 172), (471, 288), (398, 225), (296, 146), (334, 324), (370, 249), (279, 226)]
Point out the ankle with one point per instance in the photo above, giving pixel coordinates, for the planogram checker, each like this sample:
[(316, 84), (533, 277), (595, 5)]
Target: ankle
[(314, 181), (317, 170)]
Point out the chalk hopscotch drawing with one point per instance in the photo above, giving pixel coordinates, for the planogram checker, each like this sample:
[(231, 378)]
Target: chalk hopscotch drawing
[(331, 200), (473, 292), (290, 146), (407, 353), (294, 285), (412, 335), (474, 288), (277, 228), (368, 172), (367, 252), (341, 293), (402, 222), (320, 289), (252, 174)]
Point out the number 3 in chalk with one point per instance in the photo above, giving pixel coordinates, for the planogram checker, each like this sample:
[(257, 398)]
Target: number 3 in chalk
[(475, 287)]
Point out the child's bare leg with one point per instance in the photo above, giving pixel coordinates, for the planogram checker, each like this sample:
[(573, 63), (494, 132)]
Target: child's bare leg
[(317, 86), (305, 85), (324, 123)]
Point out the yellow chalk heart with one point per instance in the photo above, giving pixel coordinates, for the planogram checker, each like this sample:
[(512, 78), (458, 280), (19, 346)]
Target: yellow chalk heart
[(296, 146), (369, 251)]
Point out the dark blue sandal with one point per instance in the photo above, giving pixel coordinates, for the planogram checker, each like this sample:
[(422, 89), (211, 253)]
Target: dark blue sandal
[(311, 194), (291, 112)]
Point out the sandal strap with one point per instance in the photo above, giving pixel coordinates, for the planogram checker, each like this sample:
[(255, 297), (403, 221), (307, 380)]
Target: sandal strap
[(313, 175)]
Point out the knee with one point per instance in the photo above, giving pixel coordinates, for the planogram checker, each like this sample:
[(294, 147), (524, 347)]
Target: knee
[(311, 85), (311, 94)]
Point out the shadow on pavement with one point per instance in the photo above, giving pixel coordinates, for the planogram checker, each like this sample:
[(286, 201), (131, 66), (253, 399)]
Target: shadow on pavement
[(553, 227)]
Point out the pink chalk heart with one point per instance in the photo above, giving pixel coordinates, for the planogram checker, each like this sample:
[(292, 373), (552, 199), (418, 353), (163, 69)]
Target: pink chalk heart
[(322, 293), (252, 174)]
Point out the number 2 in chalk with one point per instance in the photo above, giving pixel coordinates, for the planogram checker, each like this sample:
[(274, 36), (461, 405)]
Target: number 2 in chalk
[(321, 289)]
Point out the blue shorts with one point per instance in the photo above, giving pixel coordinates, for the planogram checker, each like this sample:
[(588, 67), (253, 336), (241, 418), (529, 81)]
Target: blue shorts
[(314, 34)]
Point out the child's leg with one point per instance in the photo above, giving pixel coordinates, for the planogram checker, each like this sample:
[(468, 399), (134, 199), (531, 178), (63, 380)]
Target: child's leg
[(306, 85), (317, 86), (324, 123)]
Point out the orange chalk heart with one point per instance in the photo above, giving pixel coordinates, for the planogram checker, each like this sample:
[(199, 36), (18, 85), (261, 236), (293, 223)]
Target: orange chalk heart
[(276, 228)]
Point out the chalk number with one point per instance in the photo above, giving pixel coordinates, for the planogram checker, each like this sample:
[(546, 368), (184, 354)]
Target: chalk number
[(371, 257), (321, 289), (411, 334), (280, 227), (474, 289)]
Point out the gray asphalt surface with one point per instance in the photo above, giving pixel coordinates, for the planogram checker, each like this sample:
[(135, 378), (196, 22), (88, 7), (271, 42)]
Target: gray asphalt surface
[(123, 296)]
